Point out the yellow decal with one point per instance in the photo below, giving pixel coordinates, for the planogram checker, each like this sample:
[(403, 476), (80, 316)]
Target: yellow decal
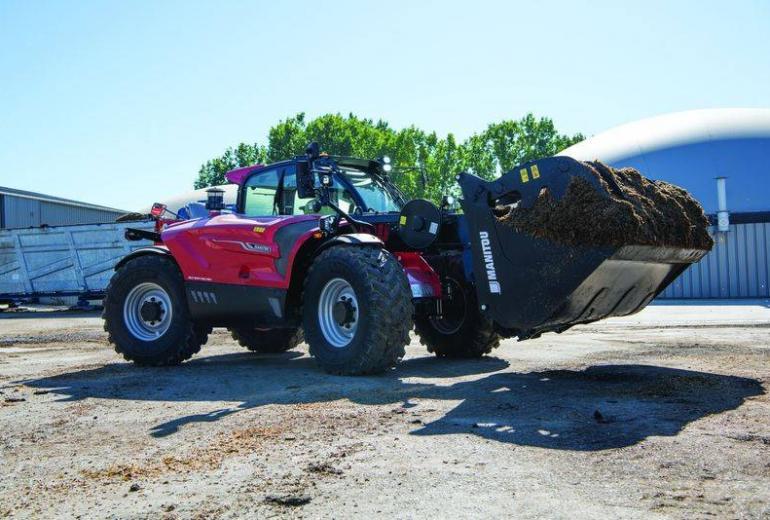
[(524, 175), (259, 229), (402, 220), (535, 172)]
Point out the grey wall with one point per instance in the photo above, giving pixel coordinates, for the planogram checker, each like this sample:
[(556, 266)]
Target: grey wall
[(737, 267), (22, 212)]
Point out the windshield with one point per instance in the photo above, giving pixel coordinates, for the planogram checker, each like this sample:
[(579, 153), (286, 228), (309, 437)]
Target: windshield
[(375, 194)]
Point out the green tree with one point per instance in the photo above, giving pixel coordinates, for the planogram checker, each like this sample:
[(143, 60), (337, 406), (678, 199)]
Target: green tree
[(287, 138), (415, 154), (515, 142), (212, 172)]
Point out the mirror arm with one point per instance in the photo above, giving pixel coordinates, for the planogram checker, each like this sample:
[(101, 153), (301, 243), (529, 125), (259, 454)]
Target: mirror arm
[(357, 225)]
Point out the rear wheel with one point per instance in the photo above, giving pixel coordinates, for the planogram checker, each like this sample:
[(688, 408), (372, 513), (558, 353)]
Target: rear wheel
[(273, 341), (357, 310), (461, 331), (145, 313)]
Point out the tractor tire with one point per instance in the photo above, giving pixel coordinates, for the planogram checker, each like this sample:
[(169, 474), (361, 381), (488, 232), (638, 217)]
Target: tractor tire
[(357, 310), (273, 341), (146, 316), (463, 332)]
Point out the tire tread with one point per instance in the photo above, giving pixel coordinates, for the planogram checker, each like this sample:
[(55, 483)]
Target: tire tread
[(194, 335), (387, 337)]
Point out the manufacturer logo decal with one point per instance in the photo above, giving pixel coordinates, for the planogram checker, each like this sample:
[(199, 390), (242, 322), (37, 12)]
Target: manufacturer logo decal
[(489, 263), (248, 246)]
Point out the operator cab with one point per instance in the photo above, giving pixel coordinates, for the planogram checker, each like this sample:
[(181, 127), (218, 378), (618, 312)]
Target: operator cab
[(358, 187), (358, 191)]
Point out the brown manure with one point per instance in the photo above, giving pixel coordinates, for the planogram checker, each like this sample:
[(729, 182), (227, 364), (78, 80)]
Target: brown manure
[(636, 211)]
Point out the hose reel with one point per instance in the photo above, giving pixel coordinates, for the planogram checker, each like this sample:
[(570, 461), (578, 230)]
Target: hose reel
[(419, 223)]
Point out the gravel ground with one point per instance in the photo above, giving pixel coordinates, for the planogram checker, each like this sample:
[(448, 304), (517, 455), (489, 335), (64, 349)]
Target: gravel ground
[(664, 414)]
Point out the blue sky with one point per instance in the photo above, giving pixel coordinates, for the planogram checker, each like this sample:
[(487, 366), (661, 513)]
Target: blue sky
[(119, 103)]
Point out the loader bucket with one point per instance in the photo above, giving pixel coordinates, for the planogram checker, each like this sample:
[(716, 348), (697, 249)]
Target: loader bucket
[(529, 285)]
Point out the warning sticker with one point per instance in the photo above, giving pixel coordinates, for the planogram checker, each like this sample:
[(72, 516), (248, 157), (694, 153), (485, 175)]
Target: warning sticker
[(433, 228)]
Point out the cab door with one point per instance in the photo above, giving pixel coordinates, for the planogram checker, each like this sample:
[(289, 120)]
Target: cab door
[(259, 193)]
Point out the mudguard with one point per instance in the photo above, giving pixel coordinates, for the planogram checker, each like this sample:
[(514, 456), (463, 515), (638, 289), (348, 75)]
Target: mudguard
[(149, 250), (352, 239)]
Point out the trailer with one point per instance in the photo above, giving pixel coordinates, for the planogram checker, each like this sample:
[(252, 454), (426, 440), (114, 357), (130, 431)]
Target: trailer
[(63, 261)]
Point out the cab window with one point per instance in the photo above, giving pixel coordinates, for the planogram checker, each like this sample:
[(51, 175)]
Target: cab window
[(261, 189), (259, 193), (294, 205)]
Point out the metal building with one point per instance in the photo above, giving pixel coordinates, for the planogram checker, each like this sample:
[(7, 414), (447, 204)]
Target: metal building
[(694, 150), (23, 209)]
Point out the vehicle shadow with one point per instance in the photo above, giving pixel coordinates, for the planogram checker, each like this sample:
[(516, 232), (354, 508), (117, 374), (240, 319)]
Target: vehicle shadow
[(597, 408)]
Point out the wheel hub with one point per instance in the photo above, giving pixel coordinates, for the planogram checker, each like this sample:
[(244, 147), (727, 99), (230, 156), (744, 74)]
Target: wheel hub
[(151, 311), (147, 311), (338, 312), (344, 312)]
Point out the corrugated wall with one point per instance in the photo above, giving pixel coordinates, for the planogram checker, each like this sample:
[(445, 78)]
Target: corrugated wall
[(737, 267), (55, 214), (22, 212)]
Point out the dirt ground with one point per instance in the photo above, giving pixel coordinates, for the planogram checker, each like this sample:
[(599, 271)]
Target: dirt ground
[(663, 414)]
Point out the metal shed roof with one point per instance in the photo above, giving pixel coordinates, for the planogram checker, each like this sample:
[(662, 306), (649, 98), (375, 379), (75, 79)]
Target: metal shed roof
[(58, 200)]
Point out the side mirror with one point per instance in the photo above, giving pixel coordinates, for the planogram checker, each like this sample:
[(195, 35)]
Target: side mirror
[(313, 151), (305, 181)]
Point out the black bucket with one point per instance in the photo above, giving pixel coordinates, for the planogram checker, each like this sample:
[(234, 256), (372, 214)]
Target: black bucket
[(529, 285)]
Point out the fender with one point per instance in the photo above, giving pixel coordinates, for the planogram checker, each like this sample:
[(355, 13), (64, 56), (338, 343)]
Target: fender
[(299, 251), (308, 247), (352, 239), (142, 251)]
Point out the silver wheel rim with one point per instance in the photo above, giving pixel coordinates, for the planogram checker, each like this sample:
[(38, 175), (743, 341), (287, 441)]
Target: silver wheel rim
[(337, 291), (147, 294)]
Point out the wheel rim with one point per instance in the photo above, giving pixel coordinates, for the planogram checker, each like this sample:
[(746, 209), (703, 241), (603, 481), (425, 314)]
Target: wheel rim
[(147, 311), (338, 312), (454, 310)]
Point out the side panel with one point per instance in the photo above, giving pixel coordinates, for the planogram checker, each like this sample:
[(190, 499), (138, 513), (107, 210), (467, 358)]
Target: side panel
[(225, 304), (237, 250)]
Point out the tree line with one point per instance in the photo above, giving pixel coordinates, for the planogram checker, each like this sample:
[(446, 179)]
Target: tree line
[(416, 155)]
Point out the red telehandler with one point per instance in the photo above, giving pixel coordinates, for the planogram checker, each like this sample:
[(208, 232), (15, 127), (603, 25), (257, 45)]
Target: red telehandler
[(327, 250)]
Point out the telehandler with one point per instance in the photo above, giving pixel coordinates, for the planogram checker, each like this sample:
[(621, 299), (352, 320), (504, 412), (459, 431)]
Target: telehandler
[(327, 250)]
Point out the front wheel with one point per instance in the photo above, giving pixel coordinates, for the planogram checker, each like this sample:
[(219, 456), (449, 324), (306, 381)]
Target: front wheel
[(461, 331), (357, 310), (145, 313)]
